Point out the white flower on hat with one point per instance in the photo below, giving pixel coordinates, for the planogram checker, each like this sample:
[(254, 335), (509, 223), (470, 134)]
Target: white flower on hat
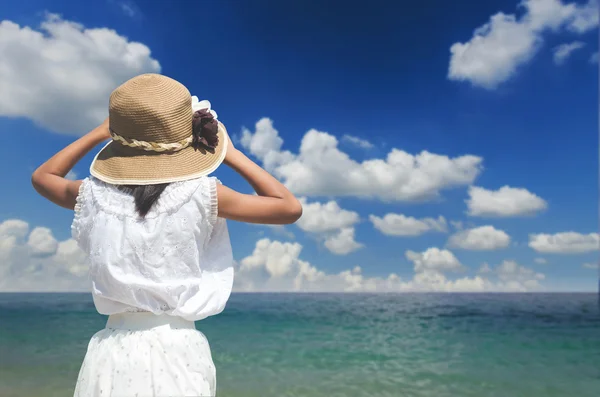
[(204, 104)]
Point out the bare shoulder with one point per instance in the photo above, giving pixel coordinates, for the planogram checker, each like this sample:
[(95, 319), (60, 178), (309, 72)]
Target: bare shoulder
[(225, 193), (57, 189)]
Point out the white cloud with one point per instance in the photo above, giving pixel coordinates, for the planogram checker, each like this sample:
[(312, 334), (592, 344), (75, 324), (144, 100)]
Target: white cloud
[(584, 17), (322, 169), (494, 52), (256, 274), (509, 276), (431, 265), (483, 238), (361, 143), (276, 266), (265, 144), (42, 242), (343, 242), (540, 261), (564, 243), (401, 225), (504, 202), (276, 257), (504, 44), (61, 75), (434, 259), (514, 277), (36, 261), (563, 51), (331, 223), (592, 266), (14, 228), (594, 57), (325, 217)]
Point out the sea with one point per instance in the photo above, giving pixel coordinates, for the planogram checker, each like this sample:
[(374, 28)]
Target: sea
[(339, 345)]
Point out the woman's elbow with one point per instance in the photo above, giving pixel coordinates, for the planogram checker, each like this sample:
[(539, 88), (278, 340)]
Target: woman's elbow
[(294, 212), (36, 178)]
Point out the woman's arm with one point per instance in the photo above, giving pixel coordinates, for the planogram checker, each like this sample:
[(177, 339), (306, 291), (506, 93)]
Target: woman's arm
[(274, 205), (48, 180)]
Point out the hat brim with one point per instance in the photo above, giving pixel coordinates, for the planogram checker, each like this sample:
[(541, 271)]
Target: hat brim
[(121, 165)]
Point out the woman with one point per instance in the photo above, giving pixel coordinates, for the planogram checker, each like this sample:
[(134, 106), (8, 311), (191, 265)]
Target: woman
[(153, 225)]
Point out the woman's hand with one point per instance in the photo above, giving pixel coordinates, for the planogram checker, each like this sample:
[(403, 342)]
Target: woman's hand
[(102, 132), (232, 154)]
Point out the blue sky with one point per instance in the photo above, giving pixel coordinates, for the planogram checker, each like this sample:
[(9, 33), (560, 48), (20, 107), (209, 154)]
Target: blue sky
[(521, 97)]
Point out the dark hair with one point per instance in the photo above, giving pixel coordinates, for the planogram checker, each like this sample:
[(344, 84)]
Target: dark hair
[(144, 195)]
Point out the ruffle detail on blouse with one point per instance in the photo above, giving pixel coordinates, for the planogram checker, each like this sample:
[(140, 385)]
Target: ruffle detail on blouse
[(114, 201), (213, 201), (79, 200), (207, 200)]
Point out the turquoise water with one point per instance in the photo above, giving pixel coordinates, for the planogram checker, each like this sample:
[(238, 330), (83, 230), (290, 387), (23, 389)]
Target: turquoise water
[(280, 345)]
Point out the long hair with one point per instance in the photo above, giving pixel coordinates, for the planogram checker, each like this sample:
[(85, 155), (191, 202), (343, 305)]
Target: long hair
[(144, 195)]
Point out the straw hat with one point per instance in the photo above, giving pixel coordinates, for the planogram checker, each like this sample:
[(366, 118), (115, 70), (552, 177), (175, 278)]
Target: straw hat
[(156, 135)]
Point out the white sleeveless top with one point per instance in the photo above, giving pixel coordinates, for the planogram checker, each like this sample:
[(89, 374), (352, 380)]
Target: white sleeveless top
[(177, 260)]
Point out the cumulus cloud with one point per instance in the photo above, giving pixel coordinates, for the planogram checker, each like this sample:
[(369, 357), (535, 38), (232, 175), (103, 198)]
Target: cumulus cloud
[(294, 274), (504, 202), (61, 75), (276, 266), (322, 169), (504, 44), (514, 277), (35, 261), (330, 223), (404, 226), (434, 259), (540, 261), (564, 243), (361, 143), (275, 257), (482, 238), (563, 51), (594, 57), (343, 242), (431, 265), (41, 242), (325, 217)]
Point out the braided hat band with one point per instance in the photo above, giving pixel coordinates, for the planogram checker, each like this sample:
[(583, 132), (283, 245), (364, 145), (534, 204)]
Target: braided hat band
[(152, 146)]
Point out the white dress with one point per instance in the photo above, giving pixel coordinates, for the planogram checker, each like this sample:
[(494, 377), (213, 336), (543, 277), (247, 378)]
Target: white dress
[(154, 277)]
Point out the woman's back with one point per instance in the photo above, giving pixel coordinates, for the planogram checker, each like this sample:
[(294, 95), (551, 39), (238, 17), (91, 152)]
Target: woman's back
[(176, 260)]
